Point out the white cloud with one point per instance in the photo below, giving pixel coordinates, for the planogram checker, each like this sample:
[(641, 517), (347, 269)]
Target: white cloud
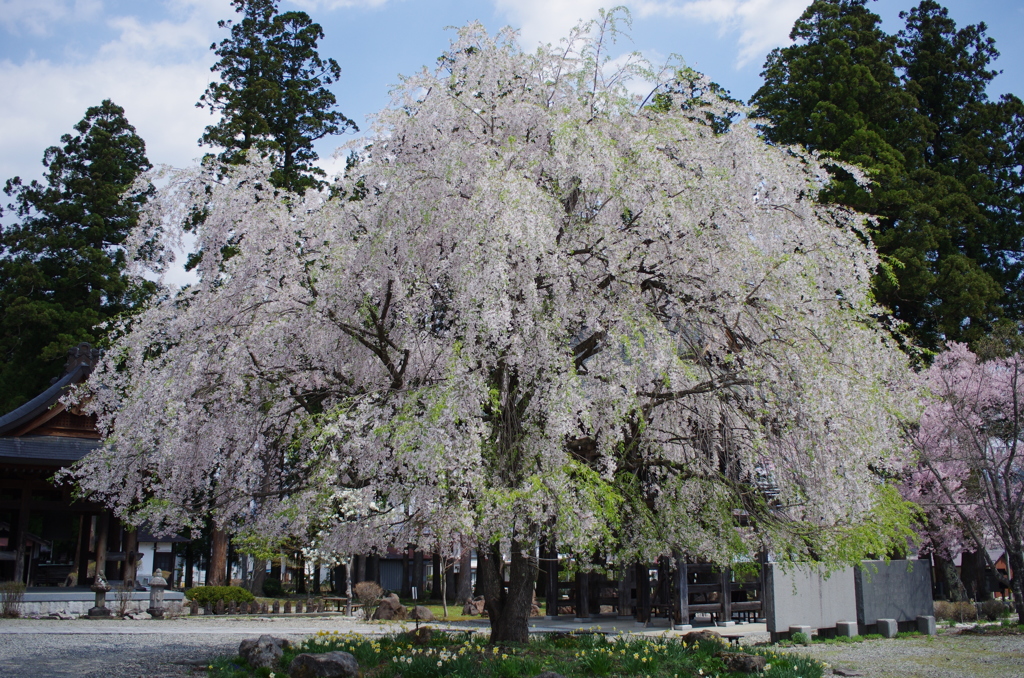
[(544, 21), (43, 100), (310, 5), (40, 16), (762, 24)]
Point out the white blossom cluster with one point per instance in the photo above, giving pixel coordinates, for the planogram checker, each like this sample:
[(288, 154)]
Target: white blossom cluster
[(537, 307)]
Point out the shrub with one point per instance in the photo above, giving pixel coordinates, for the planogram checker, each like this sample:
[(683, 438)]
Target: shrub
[(369, 594), (272, 587), (961, 611), (800, 638), (211, 595), (11, 595), (993, 610)]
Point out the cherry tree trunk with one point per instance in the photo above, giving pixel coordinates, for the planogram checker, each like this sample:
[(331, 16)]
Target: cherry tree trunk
[(508, 605), (464, 585), (217, 573)]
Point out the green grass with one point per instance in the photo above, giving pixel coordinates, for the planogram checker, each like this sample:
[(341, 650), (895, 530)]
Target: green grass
[(572, 655)]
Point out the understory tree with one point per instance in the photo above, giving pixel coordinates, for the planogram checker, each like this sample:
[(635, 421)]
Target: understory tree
[(62, 264), (554, 313), (971, 474)]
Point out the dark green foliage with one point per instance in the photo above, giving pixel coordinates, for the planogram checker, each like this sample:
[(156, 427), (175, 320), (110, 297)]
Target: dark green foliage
[(272, 587), (911, 110), (272, 95), (571, 655), (61, 261), (210, 595)]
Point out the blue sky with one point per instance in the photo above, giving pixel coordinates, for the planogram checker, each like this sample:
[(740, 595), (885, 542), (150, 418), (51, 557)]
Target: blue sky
[(58, 57)]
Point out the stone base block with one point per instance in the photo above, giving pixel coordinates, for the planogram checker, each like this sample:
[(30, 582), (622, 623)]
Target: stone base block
[(99, 613), (551, 617), (846, 628), (727, 624), (800, 629), (682, 627), (926, 624), (888, 628)]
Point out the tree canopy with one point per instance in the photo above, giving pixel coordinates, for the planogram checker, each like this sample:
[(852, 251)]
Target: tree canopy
[(912, 111), (554, 312), (62, 264), (272, 95), (970, 475)]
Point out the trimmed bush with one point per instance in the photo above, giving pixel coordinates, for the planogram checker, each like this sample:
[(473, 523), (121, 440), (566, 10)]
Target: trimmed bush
[(994, 610), (962, 611), (272, 587), (211, 595)]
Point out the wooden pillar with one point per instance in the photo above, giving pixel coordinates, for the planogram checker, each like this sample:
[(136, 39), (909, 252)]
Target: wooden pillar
[(643, 593), (373, 568), (358, 568), (300, 571), (102, 527), (407, 575), (84, 539), (582, 595), (437, 566), (626, 573), (418, 571), (726, 594), (682, 588), (113, 569), (131, 558), (552, 584), (190, 562), (316, 577), (20, 575)]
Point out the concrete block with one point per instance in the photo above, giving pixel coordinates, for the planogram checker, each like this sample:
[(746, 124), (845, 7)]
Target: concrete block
[(802, 595), (846, 628), (899, 589), (796, 628), (926, 624), (887, 627)]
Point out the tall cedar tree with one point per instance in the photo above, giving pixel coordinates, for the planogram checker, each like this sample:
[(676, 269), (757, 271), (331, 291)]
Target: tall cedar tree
[(272, 95), (849, 90), (61, 262), (968, 168)]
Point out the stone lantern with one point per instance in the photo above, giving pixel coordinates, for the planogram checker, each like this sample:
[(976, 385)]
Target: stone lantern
[(100, 586), (156, 597)]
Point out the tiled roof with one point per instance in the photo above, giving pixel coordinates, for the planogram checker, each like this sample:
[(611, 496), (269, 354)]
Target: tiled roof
[(50, 450)]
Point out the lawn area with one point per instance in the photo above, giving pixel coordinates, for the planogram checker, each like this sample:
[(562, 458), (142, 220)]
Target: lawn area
[(465, 655)]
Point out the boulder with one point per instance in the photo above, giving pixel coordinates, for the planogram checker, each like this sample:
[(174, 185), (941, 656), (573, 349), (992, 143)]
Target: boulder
[(391, 609), (422, 636), (474, 606), (327, 665), (263, 652), (422, 613), (702, 637), (740, 662)]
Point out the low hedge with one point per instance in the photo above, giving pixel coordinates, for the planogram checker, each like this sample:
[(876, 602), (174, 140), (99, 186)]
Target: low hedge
[(211, 595)]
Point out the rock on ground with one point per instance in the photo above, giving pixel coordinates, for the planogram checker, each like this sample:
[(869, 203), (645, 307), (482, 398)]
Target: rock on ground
[(741, 662), (263, 652), (327, 665)]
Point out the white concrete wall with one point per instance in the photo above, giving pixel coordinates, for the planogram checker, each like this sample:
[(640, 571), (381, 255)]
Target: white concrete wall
[(800, 595)]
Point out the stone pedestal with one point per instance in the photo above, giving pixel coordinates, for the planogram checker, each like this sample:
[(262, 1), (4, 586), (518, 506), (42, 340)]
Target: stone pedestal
[(156, 597), (926, 624), (888, 628), (793, 630), (846, 628)]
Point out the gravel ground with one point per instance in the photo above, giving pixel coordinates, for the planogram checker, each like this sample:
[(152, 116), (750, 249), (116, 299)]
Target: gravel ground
[(154, 649), (947, 655)]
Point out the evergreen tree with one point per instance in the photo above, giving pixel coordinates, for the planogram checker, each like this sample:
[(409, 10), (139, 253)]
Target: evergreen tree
[(911, 111), (61, 262), (968, 169), (272, 95)]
